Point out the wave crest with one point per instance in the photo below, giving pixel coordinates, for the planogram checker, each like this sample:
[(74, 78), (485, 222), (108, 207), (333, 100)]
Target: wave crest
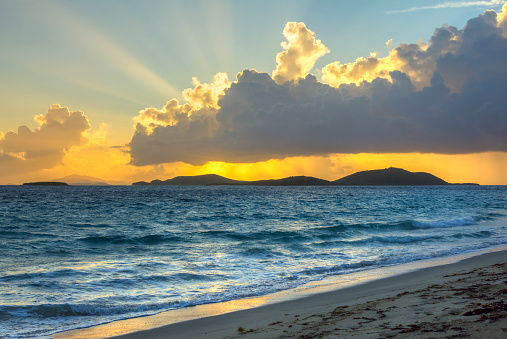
[(465, 221)]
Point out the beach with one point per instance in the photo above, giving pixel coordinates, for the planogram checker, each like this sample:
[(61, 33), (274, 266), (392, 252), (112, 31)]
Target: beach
[(462, 299), (167, 255)]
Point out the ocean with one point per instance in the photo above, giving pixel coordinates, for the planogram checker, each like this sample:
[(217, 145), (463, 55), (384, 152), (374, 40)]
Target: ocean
[(77, 256)]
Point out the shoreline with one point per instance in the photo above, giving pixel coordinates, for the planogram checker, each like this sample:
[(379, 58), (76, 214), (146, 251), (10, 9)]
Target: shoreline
[(262, 316)]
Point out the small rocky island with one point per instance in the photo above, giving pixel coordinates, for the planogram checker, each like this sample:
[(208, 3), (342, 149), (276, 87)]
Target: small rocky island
[(45, 183)]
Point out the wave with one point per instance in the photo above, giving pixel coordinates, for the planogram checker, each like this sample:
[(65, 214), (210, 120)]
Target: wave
[(272, 236), (393, 240), (493, 216), (68, 316), (37, 277), (260, 252), (343, 232), (401, 225), (194, 277), (80, 310), (26, 234), (466, 221), (481, 234), (343, 268), (91, 225), (350, 267), (152, 239)]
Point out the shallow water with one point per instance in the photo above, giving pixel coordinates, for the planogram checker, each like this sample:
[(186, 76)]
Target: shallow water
[(73, 257)]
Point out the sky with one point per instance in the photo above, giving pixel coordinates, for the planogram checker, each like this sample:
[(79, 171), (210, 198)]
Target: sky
[(130, 90)]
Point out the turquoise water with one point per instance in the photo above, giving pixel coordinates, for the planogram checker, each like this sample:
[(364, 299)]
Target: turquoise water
[(72, 257)]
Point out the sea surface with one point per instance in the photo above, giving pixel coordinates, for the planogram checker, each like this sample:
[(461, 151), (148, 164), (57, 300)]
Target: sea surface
[(73, 257)]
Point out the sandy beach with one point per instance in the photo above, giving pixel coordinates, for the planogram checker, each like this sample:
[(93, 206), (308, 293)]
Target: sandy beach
[(463, 299)]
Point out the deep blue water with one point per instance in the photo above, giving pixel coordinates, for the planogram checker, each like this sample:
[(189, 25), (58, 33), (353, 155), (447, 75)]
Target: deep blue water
[(75, 256)]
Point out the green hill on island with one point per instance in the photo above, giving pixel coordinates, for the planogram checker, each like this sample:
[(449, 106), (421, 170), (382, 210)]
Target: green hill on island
[(383, 177), (214, 179), (197, 180), (390, 177)]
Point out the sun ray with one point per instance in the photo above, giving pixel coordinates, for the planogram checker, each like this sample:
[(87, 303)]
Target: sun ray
[(221, 31), (96, 42)]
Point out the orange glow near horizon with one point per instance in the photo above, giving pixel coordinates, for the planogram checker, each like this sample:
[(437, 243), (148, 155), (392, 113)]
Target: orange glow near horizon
[(483, 168), (111, 164)]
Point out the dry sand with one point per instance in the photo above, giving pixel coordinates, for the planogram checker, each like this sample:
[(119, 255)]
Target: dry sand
[(461, 300)]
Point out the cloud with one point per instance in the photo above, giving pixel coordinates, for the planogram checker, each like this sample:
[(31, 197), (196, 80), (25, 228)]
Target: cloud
[(450, 4), (301, 51), (65, 144), (419, 61), (202, 100), (363, 69), (59, 130), (207, 95), (458, 55), (446, 96)]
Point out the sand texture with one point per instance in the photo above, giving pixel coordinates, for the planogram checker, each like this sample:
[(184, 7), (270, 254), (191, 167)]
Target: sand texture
[(470, 304)]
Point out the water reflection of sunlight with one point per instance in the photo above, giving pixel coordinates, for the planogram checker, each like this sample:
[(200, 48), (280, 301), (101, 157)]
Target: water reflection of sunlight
[(174, 316)]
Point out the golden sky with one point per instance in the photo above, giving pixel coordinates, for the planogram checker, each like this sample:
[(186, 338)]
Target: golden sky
[(435, 105)]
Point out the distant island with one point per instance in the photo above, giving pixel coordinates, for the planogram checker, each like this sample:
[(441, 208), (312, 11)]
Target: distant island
[(198, 180), (45, 183), (77, 180), (213, 179), (81, 180), (86, 180), (384, 177)]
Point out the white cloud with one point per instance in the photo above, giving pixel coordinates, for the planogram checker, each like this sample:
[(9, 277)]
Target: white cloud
[(301, 51), (202, 100), (449, 4)]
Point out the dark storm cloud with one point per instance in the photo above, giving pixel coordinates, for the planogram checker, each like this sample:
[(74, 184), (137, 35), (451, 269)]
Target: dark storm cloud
[(462, 110)]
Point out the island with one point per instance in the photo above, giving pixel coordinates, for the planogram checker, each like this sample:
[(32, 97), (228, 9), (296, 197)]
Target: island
[(383, 177), (198, 180), (390, 177)]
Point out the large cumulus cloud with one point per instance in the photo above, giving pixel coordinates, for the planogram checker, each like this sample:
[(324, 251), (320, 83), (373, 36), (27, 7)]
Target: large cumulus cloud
[(27, 150), (444, 96)]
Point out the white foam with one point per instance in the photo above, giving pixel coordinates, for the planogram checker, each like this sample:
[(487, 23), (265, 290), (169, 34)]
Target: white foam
[(466, 221)]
